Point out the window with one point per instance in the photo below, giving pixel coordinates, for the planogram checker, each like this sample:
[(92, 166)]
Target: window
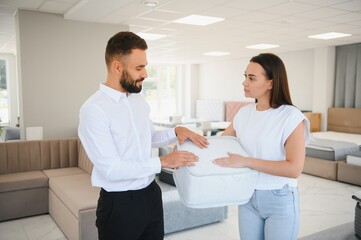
[(4, 100), (160, 90)]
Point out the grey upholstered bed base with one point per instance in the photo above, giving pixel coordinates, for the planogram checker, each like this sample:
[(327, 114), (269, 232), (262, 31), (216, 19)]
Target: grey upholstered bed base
[(331, 150)]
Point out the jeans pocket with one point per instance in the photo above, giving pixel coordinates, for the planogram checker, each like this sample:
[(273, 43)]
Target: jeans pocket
[(285, 191)]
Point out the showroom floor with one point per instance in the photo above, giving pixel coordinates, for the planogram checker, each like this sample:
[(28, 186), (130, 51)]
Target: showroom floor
[(324, 204)]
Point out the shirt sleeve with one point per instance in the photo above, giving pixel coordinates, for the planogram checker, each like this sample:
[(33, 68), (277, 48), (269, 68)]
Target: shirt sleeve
[(162, 137), (95, 135), (294, 119)]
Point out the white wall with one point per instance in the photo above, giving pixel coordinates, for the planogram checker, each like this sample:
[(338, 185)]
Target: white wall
[(223, 79), (61, 63), (190, 95), (300, 68), (324, 81)]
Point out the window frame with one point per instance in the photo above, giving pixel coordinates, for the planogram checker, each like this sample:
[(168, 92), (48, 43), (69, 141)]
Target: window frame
[(6, 122), (157, 114)]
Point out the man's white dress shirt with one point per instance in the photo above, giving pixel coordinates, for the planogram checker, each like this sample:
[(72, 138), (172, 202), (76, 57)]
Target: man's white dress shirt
[(117, 135)]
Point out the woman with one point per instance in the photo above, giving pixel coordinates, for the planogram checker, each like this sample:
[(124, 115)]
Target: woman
[(274, 133)]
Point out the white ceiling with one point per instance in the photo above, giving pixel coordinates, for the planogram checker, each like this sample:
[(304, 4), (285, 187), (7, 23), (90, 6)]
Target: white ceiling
[(283, 22)]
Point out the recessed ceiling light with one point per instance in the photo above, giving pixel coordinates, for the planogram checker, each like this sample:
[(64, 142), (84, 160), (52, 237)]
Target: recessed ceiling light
[(150, 3), (217, 54), (151, 36), (198, 20), (262, 46), (330, 35)]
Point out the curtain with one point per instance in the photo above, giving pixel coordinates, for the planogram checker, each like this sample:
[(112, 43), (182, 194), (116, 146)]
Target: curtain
[(348, 76)]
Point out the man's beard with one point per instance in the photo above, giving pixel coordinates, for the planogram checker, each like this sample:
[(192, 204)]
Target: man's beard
[(129, 84)]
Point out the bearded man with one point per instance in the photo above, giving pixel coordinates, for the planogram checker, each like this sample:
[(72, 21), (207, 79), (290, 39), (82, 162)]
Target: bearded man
[(117, 134)]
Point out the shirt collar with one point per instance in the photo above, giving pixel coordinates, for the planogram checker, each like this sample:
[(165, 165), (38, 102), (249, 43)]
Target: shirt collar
[(112, 93)]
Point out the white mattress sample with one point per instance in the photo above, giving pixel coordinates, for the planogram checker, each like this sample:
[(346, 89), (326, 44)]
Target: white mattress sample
[(354, 159), (208, 185), (338, 136)]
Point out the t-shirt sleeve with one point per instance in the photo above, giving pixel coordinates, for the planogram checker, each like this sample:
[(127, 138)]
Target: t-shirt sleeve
[(294, 119)]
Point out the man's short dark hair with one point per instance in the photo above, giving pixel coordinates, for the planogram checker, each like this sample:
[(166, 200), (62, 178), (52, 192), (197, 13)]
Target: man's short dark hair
[(122, 44)]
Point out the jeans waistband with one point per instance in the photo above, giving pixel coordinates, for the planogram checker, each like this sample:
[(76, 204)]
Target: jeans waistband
[(130, 193)]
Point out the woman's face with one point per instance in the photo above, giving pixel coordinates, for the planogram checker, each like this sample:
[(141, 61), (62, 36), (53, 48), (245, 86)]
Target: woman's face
[(256, 85)]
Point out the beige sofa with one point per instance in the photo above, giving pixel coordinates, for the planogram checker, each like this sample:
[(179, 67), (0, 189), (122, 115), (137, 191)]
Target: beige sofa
[(49, 176), (53, 176)]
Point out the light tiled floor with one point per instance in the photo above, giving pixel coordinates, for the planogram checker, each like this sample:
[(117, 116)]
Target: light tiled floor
[(324, 204)]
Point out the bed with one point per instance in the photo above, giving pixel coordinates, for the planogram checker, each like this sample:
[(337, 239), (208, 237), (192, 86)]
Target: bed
[(343, 127), (333, 146)]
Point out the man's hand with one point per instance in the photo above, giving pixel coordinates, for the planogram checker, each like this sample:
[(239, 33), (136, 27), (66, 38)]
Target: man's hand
[(184, 133), (178, 159)]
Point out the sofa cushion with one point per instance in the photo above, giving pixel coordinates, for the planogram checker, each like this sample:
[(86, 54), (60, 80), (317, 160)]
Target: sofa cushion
[(62, 172), (83, 159), (23, 180), (75, 191), (24, 156), (12, 133), (58, 153)]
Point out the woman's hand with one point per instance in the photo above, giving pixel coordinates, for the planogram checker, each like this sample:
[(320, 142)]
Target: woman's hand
[(233, 160), (184, 133)]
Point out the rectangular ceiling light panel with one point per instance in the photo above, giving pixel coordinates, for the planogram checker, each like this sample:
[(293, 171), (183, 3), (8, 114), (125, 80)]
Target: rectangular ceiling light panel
[(330, 35), (198, 20)]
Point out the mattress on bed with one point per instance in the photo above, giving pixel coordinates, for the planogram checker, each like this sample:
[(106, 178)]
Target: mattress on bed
[(354, 158), (208, 185), (330, 149), (338, 136)]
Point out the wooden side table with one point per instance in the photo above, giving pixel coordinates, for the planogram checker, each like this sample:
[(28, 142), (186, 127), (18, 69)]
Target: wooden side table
[(315, 121)]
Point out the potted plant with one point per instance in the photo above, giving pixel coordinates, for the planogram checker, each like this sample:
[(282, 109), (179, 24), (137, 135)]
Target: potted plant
[(2, 128)]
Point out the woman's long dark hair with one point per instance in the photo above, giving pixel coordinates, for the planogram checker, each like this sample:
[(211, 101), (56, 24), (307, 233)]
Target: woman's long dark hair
[(276, 71)]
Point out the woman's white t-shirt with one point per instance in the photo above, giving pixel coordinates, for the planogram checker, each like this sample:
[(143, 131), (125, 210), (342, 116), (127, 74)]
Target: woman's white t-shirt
[(263, 135)]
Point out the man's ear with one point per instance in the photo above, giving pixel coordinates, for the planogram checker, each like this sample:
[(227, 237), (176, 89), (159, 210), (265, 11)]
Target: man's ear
[(117, 66)]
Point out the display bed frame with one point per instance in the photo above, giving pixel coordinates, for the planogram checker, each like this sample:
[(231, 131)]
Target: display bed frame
[(345, 120)]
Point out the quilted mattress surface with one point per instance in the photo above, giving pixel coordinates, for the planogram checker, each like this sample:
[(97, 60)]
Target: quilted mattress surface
[(208, 185), (354, 158)]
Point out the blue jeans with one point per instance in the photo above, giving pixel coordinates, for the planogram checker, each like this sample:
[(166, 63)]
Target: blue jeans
[(270, 215)]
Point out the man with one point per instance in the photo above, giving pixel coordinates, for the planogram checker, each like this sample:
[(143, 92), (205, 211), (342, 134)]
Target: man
[(117, 134)]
